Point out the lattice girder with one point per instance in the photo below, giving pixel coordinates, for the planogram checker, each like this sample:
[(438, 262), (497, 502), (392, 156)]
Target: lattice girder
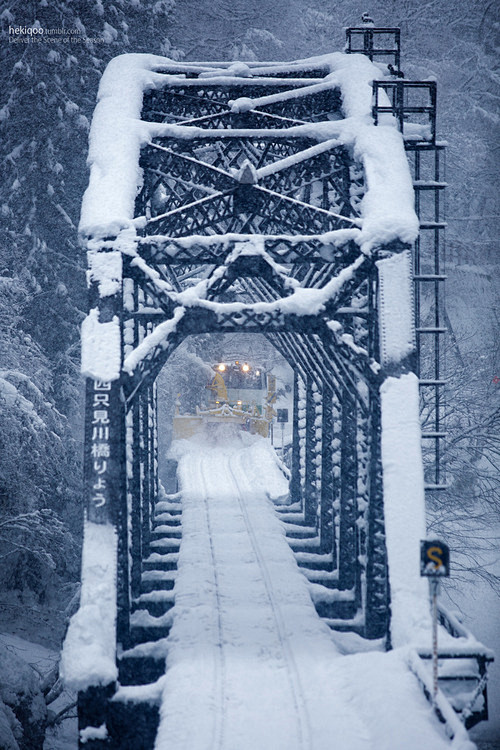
[(181, 103), (197, 170), (242, 209), (299, 251)]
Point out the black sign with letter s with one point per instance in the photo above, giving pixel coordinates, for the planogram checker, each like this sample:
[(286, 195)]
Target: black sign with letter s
[(434, 558)]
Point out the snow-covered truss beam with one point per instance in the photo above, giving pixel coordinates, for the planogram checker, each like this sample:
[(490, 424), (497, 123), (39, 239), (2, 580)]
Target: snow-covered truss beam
[(333, 248), (268, 178), (257, 197)]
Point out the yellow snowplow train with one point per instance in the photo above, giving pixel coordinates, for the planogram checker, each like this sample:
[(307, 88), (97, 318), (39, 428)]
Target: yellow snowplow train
[(239, 394)]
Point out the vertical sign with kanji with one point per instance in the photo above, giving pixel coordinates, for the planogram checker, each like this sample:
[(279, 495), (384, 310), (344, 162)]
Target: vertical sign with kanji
[(103, 450)]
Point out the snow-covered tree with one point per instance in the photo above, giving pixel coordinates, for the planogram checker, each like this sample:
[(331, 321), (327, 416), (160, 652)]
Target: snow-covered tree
[(467, 513), (49, 82)]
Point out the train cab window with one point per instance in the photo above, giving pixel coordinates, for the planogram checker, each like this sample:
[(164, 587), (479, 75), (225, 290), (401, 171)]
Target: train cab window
[(239, 376)]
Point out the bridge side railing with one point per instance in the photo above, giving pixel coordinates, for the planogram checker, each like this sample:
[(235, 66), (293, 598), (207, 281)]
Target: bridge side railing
[(457, 671), (442, 707)]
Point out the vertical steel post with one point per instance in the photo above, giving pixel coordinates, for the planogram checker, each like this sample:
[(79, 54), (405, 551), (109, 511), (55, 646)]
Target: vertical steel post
[(154, 410), (105, 477), (310, 463), (135, 500), (377, 588), (326, 531), (104, 434), (104, 469), (146, 457), (302, 438), (348, 493)]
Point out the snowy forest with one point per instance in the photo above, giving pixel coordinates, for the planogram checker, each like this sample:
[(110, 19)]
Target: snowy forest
[(46, 103)]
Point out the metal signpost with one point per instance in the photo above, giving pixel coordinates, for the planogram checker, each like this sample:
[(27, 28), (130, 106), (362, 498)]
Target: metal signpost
[(434, 564)]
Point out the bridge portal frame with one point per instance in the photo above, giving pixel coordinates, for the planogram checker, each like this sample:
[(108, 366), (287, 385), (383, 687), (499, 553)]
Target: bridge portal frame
[(264, 197), (273, 176), (296, 182)]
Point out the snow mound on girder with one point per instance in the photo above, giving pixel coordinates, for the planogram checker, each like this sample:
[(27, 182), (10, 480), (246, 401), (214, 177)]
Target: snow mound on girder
[(404, 509)]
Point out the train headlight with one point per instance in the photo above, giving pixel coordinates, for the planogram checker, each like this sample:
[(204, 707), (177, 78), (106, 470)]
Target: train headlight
[(245, 368), (221, 367)]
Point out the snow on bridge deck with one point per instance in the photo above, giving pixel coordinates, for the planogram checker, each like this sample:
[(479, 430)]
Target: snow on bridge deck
[(250, 664)]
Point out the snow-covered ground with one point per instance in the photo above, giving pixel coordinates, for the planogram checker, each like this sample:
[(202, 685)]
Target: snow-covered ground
[(250, 664)]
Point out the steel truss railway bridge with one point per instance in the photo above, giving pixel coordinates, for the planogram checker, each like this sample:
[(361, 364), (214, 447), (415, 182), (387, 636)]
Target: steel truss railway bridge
[(251, 183)]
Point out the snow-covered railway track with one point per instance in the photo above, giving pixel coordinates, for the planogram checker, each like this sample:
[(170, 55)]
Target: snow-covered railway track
[(246, 661), (219, 655), (296, 706), (300, 711), (229, 644), (250, 664)]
